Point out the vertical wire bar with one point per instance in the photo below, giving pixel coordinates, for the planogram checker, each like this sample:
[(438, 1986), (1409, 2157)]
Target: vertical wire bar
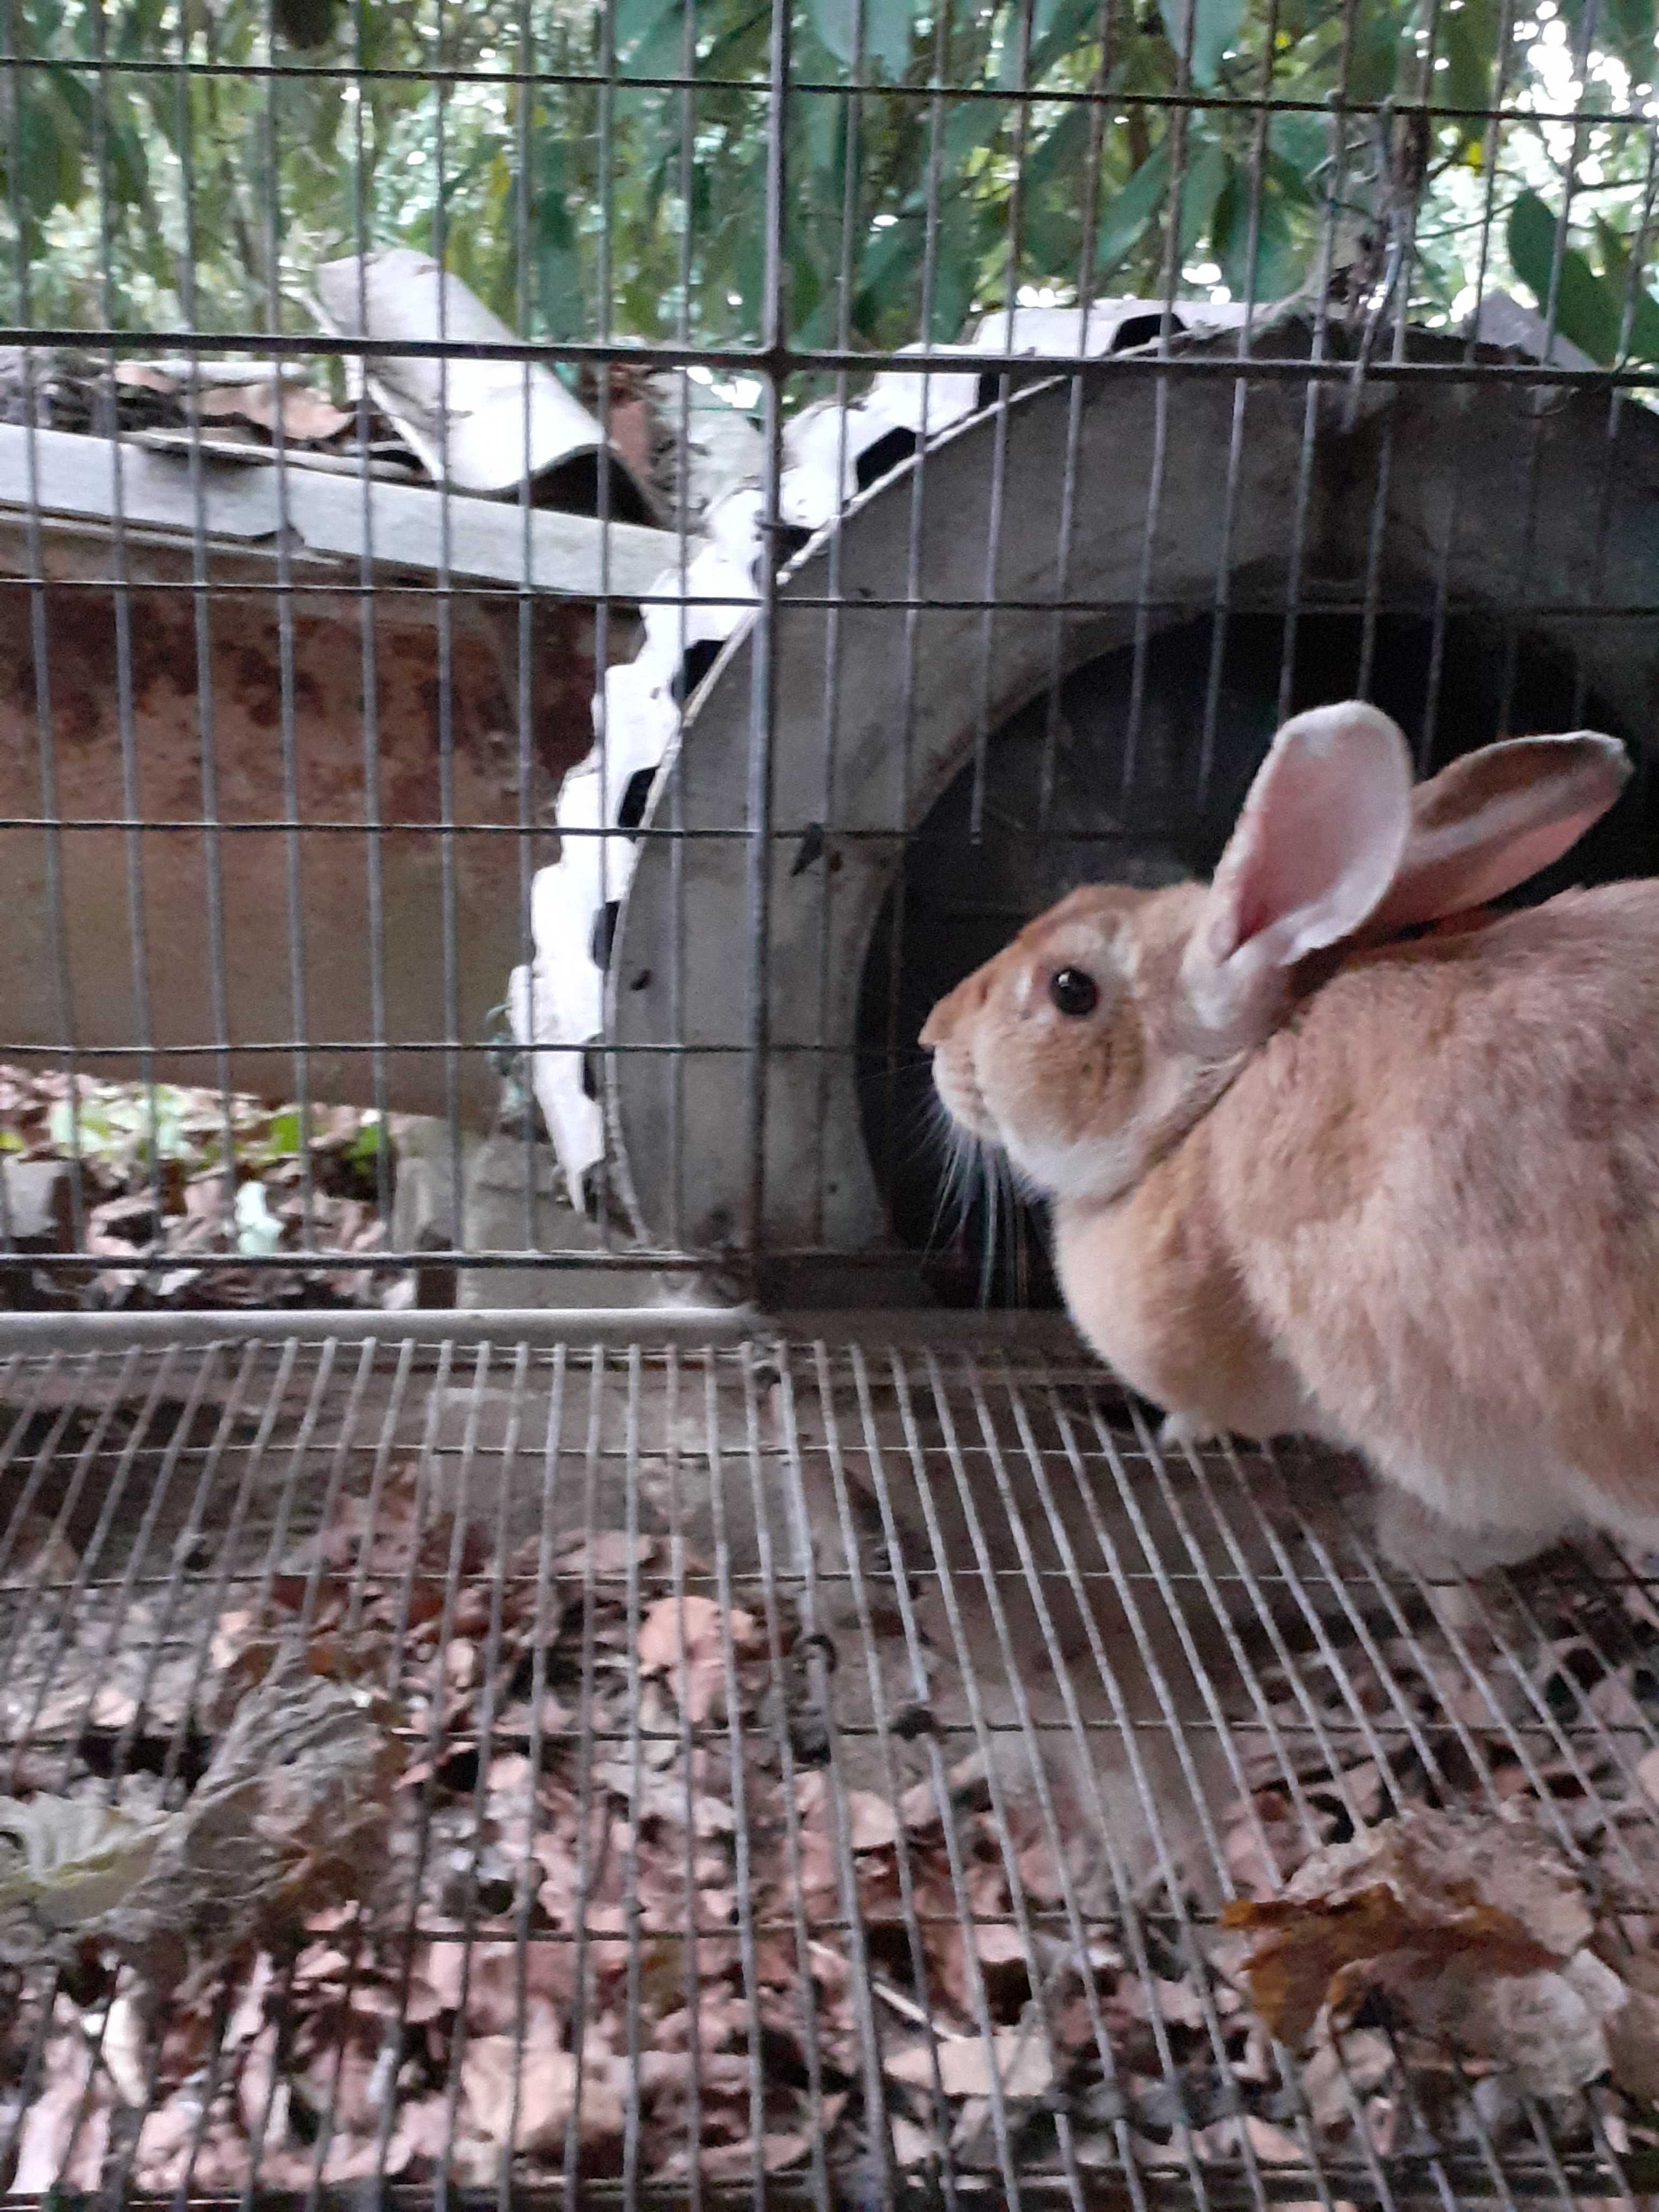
[(552, 1493), (743, 1877), (597, 1376), (1022, 30), (527, 294), (1108, 1450), (1635, 292), (373, 838), (604, 287), (202, 608), (107, 1520), (35, 1402), (446, 640), (794, 1502), (1058, 648), (675, 793), (288, 735), (851, 118), (767, 1592), (852, 1552), (1517, 606), (984, 1730), (1311, 405), (47, 1458), (966, 1372), (426, 1486), (216, 1582), (774, 364), (1246, 1575), (978, 2008), (1179, 120), (182, 1550), (391, 1421), (1221, 603), (686, 1747), (632, 1921), (121, 593), (1402, 261), (495, 1581), (904, 749), (1338, 1579), (39, 645), (1134, 1935), (1466, 394)]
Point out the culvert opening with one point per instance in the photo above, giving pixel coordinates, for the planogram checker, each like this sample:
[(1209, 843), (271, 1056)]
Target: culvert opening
[(1061, 798)]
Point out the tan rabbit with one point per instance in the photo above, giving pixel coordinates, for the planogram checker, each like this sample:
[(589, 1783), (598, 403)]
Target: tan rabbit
[(1403, 1195)]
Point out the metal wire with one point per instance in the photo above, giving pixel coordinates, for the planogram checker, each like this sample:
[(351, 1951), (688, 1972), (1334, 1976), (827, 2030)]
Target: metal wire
[(842, 1536)]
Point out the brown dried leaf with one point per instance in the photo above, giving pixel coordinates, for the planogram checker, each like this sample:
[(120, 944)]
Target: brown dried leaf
[(544, 2078), (1023, 2062), (872, 1824), (1424, 1894), (1632, 2040), (607, 1552), (681, 1638), (307, 417)]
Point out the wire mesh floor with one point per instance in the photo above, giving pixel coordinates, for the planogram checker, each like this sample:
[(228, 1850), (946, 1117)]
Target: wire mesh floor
[(670, 1773)]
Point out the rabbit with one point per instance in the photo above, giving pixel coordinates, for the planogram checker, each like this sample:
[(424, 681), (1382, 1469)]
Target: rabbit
[(1310, 1174)]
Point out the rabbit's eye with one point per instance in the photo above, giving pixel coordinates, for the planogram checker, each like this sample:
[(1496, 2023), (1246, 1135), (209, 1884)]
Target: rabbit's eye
[(1074, 992)]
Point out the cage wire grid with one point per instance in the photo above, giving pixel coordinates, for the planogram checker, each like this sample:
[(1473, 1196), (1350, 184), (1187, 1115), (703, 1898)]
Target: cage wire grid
[(1337, 352), (174, 1514), (762, 1766)]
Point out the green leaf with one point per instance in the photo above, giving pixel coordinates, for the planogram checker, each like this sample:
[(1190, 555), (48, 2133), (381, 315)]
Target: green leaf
[(1301, 142), (1615, 252), (1062, 150), (1059, 27), (956, 273), (1616, 275), (1125, 218), (286, 1135), (1375, 58), (1213, 26), (1587, 310), (129, 169), (1627, 27), (1276, 263), (887, 25), (634, 24), (48, 148), (1468, 43), (1208, 172)]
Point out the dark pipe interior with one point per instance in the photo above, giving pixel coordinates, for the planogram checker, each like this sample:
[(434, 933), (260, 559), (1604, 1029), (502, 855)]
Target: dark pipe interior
[(1167, 812)]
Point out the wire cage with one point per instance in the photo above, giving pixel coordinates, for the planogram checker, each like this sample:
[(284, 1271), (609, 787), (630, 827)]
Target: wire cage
[(565, 570)]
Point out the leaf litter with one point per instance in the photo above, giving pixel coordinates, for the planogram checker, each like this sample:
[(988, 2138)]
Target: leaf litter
[(414, 1914)]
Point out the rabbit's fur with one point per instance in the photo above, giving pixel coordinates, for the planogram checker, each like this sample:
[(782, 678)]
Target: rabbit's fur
[(1402, 1195)]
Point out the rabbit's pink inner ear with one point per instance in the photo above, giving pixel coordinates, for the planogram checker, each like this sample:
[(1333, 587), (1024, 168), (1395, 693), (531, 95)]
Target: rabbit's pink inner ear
[(1316, 849), (1490, 820)]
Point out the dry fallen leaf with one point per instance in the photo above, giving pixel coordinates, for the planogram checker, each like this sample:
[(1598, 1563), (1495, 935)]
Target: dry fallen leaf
[(541, 2075), (308, 416), (1023, 2062), (69, 1861), (873, 1825), (1422, 1896), (681, 1637)]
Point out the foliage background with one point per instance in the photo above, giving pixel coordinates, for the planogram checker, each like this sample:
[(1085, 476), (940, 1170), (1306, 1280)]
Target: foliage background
[(172, 164)]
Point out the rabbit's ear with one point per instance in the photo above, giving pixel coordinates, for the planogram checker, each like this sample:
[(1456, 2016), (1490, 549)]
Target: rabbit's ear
[(1316, 849), (1496, 817)]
